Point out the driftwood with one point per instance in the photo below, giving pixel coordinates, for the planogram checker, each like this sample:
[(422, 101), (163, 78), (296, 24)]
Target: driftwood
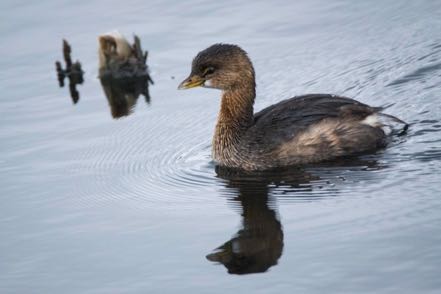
[(72, 71), (118, 67), (124, 79)]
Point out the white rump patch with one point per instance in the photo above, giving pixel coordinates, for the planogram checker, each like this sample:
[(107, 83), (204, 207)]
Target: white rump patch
[(387, 123)]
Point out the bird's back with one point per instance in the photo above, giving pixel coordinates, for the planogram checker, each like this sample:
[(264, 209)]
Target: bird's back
[(312, 128)]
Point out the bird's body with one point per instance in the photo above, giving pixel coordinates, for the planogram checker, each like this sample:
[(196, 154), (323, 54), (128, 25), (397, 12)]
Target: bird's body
[(304, 129), (300, 130)]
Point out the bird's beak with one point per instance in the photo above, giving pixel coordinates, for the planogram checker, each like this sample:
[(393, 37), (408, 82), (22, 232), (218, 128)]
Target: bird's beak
[(191, 82)]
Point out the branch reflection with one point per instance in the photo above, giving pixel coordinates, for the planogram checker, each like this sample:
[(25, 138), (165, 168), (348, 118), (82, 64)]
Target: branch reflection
[(123, 93)]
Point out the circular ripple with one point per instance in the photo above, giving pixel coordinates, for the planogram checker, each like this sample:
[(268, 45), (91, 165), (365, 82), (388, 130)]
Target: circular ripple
[(137, 161)]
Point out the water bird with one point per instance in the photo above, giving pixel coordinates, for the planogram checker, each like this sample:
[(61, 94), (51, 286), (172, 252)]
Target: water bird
[(301, 130)]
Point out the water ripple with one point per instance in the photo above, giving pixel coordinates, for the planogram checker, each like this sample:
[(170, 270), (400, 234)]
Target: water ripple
[(134, 162), (419, 74)]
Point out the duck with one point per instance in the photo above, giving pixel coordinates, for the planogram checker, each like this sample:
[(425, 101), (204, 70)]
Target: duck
[(301, 130)]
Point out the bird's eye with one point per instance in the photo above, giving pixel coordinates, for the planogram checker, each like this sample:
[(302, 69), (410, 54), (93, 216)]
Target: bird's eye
[(208, 71)]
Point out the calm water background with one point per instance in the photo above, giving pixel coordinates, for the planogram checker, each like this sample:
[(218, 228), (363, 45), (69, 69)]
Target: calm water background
[(90, 204)]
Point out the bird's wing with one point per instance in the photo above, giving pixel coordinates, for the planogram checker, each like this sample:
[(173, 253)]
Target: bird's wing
[(283, 121)]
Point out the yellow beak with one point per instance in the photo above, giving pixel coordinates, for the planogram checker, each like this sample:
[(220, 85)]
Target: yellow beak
[(191, 82)]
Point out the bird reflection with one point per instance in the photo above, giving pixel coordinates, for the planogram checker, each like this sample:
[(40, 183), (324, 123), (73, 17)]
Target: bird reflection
[(123, 72), (258, 245)]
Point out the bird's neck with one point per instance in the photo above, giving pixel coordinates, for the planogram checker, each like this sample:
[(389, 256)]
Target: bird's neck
[(235, 117)]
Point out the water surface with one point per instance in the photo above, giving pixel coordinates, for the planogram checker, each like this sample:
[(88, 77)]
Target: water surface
[(93, 204)]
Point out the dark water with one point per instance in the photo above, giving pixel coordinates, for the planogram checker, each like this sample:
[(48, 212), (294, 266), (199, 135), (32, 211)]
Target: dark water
[(92, 204)]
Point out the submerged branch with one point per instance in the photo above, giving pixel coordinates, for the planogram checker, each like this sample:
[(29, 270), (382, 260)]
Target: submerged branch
[(72, 71)]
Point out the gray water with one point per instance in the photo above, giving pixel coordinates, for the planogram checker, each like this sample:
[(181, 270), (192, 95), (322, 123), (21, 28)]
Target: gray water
[(92, 204)]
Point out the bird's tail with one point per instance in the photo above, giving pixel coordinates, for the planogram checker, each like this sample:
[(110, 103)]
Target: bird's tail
[(390, 124)]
